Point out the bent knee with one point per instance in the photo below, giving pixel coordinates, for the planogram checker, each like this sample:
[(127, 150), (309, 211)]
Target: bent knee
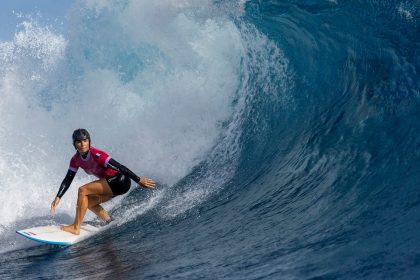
[(83, 191)]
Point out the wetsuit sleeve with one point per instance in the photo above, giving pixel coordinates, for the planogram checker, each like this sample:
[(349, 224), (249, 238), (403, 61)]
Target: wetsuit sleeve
[(66, 183), (112, 163)]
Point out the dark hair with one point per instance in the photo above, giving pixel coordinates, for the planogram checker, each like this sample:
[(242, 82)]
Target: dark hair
[(80, 134)]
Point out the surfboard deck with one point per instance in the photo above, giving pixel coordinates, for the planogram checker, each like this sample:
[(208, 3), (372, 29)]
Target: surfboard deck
[(54, 235)]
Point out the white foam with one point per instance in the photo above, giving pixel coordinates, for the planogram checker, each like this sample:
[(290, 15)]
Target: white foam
[(160, 123), (160, 86)]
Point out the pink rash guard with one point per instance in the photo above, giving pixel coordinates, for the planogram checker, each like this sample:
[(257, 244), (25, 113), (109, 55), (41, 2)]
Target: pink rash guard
[(96, 163)]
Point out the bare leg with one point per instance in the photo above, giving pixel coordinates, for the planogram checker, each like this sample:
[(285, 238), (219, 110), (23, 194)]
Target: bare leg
[(95, 207), (99, 187)]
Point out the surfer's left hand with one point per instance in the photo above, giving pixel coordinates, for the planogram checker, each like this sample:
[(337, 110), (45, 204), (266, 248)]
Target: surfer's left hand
[(147, 183)]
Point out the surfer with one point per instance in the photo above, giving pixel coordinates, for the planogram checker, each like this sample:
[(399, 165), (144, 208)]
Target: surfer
[(113, 179)]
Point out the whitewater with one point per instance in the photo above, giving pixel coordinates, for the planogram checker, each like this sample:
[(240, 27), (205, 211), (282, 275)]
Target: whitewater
[(284, 137)]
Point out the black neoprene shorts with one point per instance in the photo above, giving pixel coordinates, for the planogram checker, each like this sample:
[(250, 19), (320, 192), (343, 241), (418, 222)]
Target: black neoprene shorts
[(120, 184)]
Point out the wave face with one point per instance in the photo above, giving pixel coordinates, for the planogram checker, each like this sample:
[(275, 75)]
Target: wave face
[(284, 136)]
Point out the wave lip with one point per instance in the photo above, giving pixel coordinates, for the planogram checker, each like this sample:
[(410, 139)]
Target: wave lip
[(175, 92), (285, 138)]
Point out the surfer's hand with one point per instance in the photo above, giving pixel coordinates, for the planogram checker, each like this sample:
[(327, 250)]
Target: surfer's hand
[(147, 183), (54, 204)]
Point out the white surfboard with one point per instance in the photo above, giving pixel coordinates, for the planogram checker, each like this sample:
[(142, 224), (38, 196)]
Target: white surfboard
[(54, 235)]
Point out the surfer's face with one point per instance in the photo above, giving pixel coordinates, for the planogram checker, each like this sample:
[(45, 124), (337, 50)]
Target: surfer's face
[(82, 146)]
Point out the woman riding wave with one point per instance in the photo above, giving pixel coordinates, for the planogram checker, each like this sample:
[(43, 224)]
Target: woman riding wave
[(113, 180)]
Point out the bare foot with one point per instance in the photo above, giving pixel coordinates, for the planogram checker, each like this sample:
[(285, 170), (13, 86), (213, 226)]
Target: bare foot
[(71, 229)]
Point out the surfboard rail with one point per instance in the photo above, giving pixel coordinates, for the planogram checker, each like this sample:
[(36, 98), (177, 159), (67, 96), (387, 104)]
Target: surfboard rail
[(52, 234)]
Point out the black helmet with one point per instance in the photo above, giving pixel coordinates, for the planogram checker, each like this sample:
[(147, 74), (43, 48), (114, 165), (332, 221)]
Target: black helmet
[(80, 134)]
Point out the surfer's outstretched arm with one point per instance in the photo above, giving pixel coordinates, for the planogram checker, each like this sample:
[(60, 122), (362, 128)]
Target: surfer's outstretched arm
[(66, 183), (145, 182), (63, 188)]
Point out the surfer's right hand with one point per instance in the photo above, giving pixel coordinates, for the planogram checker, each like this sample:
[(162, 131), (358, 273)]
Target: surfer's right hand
[(54, 204)]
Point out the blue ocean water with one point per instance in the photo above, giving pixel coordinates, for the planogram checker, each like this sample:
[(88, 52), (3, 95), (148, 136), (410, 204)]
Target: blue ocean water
[(285, 137)]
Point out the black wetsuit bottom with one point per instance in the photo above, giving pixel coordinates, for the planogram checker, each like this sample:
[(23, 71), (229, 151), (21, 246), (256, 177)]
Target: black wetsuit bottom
[(119, 183)]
